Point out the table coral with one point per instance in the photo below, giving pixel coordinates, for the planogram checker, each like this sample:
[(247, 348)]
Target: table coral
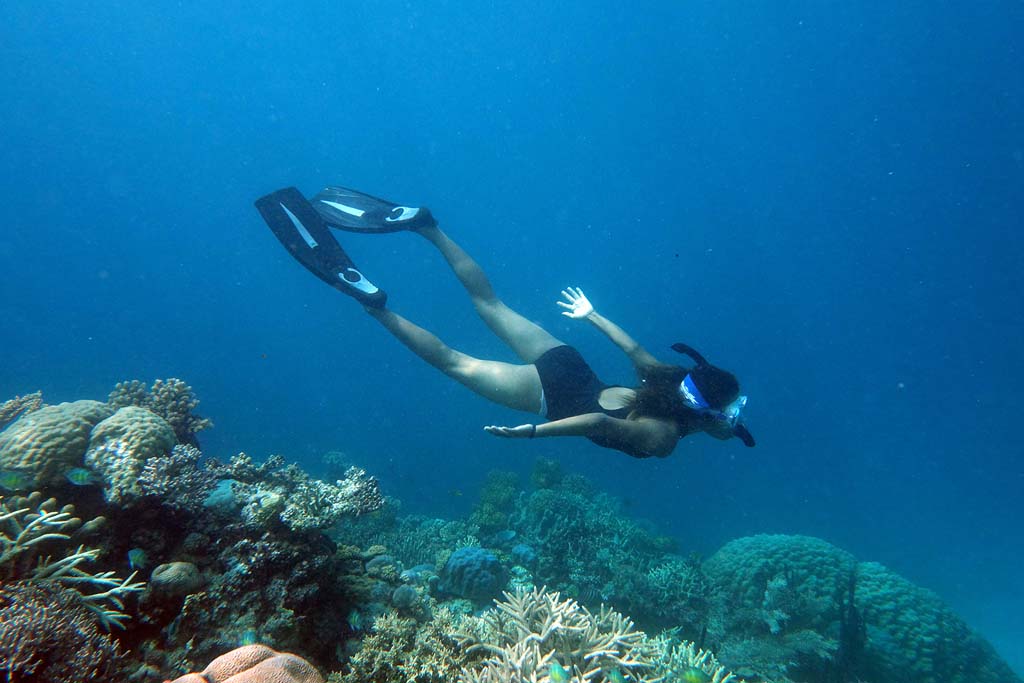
[(48, 442), (255, 664)]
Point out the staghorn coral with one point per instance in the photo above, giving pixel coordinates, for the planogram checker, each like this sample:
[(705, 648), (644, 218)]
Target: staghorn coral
[(47, 635), (523, 636), (255, 664), (12, 409), (119, 447), (677, 661), (46, 443), (171, 399), (398, 650), (29, 526), (177, 479)]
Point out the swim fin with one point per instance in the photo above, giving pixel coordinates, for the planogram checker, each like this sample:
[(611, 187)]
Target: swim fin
[(356, 211), (305, 235)]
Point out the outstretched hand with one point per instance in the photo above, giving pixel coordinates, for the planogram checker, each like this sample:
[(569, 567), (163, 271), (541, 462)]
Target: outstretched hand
[(577, 302), (520, 432)]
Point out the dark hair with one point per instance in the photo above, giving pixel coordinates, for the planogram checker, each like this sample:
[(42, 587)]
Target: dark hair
[(718, 387), (658, 394)]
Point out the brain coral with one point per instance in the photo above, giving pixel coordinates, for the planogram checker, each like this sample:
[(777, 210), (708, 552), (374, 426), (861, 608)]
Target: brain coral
[(255, 664), (771, 583), (120, 445), (49, 441), (472, 573)]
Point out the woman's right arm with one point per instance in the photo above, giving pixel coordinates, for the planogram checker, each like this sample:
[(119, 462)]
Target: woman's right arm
[(580, 307)]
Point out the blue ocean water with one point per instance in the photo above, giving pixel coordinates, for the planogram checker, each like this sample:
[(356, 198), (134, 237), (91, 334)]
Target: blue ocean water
[(822, 197)]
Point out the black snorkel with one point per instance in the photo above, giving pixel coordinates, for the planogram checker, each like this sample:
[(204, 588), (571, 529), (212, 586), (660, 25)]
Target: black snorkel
[(693, 395)]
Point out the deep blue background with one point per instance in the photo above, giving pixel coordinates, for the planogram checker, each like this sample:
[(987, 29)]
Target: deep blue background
[(823, 197)]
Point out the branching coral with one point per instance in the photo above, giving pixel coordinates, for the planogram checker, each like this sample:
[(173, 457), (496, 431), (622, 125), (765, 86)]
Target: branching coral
[(171, 399), (19, 405), (399, 650), (177, 479), (677, 661), (30, 524), (296, 499), (524, 636), (46, 634)]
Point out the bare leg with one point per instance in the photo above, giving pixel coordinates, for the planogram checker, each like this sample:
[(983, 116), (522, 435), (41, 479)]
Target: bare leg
[(527, 339), (513, 386)]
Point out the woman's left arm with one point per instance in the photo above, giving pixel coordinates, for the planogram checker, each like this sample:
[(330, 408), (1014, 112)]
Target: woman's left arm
[(645, 435)]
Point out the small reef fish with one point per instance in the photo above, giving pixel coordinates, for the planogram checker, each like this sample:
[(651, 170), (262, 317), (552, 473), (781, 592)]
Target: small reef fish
[(558, 674), (137, 558), (248, 637), (693, 674), (615, 676), (13, 480), (79, 476)]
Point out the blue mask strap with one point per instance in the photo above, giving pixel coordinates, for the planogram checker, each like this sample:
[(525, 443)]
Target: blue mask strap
[(691, 394)]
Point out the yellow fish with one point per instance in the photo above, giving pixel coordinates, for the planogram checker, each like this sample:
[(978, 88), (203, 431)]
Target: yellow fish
[(558, 674), (692, 674)]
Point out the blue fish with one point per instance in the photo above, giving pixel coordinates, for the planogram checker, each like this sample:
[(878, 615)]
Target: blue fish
[(79, 476), (249, 636), (137, 558), (13, 480), (558, 674)]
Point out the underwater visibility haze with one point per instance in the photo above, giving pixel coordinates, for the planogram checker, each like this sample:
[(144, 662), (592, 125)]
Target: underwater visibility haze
[(823, 198)]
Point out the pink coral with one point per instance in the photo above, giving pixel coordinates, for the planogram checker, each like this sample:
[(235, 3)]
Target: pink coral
[(255, 664)]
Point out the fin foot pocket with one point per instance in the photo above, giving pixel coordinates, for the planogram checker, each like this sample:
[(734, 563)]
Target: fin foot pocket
[(309, 240), (355, 211)]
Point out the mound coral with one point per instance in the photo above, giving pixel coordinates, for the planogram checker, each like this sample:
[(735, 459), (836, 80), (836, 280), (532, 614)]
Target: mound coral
[(255, 664), (171, 399), (798, 608), (46, 443), (120, 445)]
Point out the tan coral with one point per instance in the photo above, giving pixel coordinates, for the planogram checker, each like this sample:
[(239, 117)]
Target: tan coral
[(120, 445), (19, 405), (255, 664), (46, 443)]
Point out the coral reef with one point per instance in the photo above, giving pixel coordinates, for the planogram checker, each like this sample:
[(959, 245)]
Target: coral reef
[(399, 649), (30, 526), (911, 635), (274, 491), (47, 635), (120, 445), (48, 442), (177, 480), (472, 573), (798, 608), (14, 408), (530, 633), (255, 664), (171, 399)]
